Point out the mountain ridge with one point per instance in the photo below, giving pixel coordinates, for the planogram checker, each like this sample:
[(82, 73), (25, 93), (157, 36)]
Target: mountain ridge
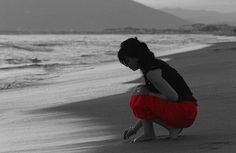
[(203, 16), (81, 15)]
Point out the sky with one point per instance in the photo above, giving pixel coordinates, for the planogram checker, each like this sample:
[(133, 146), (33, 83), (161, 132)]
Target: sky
[(211, 5)]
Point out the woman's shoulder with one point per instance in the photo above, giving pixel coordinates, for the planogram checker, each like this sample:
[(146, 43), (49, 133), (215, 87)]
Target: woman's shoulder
[(155, 73), (155, 65)]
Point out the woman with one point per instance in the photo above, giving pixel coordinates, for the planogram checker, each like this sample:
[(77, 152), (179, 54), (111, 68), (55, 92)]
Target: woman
[(165, 98)]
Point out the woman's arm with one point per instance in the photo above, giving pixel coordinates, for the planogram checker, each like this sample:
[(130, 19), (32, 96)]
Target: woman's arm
[(157, 95), (137, 125), (166, 91)]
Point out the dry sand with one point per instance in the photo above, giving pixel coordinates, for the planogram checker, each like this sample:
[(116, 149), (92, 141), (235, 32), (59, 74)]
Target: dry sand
[(210, 72)]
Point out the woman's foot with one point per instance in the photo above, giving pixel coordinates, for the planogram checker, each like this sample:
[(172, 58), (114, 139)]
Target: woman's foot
[(143, 138), (174, 132)]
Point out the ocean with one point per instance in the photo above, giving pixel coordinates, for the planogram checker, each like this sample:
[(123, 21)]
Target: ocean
[(41, 71), (26, 60)]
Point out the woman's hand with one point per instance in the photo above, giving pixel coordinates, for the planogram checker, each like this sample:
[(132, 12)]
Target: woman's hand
[(128, 133), (141, 90)]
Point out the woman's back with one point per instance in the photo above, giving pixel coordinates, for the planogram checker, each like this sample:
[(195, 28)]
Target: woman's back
[(175, 80)]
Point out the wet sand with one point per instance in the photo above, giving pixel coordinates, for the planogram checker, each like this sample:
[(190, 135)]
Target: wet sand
[(96, 125)]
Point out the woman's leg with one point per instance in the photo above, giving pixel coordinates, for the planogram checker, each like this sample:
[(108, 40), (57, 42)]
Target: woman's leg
[(149, 133), (173, 132)]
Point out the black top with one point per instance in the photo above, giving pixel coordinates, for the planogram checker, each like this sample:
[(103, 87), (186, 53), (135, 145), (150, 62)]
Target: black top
[(175, 80)]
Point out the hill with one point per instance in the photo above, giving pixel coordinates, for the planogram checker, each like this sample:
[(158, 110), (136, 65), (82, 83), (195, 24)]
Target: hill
[(203, 16), (81, 15)]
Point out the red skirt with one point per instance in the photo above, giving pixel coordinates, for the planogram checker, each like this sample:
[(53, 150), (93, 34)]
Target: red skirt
[(177, 115)]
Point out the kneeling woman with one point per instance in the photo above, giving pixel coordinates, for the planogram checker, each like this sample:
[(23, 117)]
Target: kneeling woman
[(165, 99)]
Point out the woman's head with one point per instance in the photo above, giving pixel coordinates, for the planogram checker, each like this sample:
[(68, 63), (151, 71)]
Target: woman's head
[(134, 50)]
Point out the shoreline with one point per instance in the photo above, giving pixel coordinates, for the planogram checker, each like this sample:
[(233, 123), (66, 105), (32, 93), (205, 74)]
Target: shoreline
[(88, 70), (45, 81), (40, 75)]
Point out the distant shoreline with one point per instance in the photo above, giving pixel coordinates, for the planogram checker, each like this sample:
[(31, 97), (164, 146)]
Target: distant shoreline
[(104, 33), (100, 33), (214, 29)]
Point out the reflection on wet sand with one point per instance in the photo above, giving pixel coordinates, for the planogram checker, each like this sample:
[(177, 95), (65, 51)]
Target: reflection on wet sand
[(49, 132)]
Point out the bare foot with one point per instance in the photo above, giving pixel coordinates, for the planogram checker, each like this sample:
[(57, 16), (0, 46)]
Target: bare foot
[(174, 132), (143, 138)]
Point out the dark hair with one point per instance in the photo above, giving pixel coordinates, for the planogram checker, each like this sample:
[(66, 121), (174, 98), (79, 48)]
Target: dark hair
[(132, 47)]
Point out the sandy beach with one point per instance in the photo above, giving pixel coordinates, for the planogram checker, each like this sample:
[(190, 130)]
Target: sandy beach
[(210, 72)]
